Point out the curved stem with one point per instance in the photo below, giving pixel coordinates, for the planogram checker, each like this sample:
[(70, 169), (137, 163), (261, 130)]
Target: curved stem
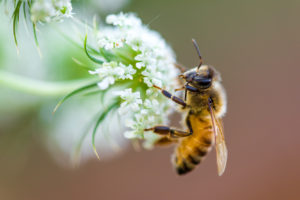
[(39, 87)]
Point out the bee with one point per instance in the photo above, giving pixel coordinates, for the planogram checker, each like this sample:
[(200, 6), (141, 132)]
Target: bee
[(204, 105)]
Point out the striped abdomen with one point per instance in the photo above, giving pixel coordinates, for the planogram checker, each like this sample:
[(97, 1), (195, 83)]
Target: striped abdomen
[(192, 149)]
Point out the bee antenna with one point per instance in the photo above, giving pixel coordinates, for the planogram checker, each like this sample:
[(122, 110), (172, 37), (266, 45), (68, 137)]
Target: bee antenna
[(198, 51)]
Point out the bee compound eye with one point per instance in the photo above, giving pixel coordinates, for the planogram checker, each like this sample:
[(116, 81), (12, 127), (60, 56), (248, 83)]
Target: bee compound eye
[(203, 82)]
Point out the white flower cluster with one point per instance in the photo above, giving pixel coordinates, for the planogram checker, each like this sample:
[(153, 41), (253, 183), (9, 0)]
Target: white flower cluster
[(111, 71), (141, 58), (50, 10)]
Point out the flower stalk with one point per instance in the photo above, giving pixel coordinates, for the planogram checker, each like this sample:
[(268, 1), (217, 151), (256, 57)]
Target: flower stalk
[(40, 87)]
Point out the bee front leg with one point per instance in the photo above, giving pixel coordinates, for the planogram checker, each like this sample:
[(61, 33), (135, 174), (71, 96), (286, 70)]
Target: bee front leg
[(187, 87), (167, 131), (178, 89), (172, 97), (191, 88)]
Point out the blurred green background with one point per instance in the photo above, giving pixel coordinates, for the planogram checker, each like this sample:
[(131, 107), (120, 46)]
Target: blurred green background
[(254, 44)]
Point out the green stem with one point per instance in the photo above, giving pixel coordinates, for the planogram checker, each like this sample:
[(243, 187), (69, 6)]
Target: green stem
[(39, 87)]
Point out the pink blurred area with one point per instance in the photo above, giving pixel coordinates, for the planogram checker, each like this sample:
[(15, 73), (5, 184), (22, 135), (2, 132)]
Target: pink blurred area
[(255, 45)]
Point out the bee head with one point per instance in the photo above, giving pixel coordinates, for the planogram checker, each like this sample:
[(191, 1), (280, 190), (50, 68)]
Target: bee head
[(201, 78)]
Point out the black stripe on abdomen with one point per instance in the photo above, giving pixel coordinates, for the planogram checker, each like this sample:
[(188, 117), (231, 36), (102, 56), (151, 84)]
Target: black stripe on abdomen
[(184, 167)]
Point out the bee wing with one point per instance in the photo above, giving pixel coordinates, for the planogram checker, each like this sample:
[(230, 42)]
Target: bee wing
[(220, 145), (221, 149)]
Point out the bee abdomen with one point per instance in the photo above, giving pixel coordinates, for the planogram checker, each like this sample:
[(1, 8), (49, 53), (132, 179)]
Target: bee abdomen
[(191, 152), (190, 162)]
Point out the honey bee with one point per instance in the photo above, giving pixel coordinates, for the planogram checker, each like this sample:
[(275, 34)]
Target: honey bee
[(204, 105)]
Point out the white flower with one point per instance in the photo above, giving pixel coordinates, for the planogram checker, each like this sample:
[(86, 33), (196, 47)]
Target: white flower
[(138, 59), (131, 102), (128, 72), (63, 7), (106, 82), (123, 20), (110, 38), (112, 71), (42, 11), (50, 10)]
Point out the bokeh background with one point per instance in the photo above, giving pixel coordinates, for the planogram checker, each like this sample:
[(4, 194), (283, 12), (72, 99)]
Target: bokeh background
[(254, 44)]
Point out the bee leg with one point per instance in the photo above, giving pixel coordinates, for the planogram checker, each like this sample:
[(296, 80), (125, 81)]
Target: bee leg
[(191, 88), (170, 96), (167, 131), (180, 67), (187, 87), (178, 89), (165, 141)]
